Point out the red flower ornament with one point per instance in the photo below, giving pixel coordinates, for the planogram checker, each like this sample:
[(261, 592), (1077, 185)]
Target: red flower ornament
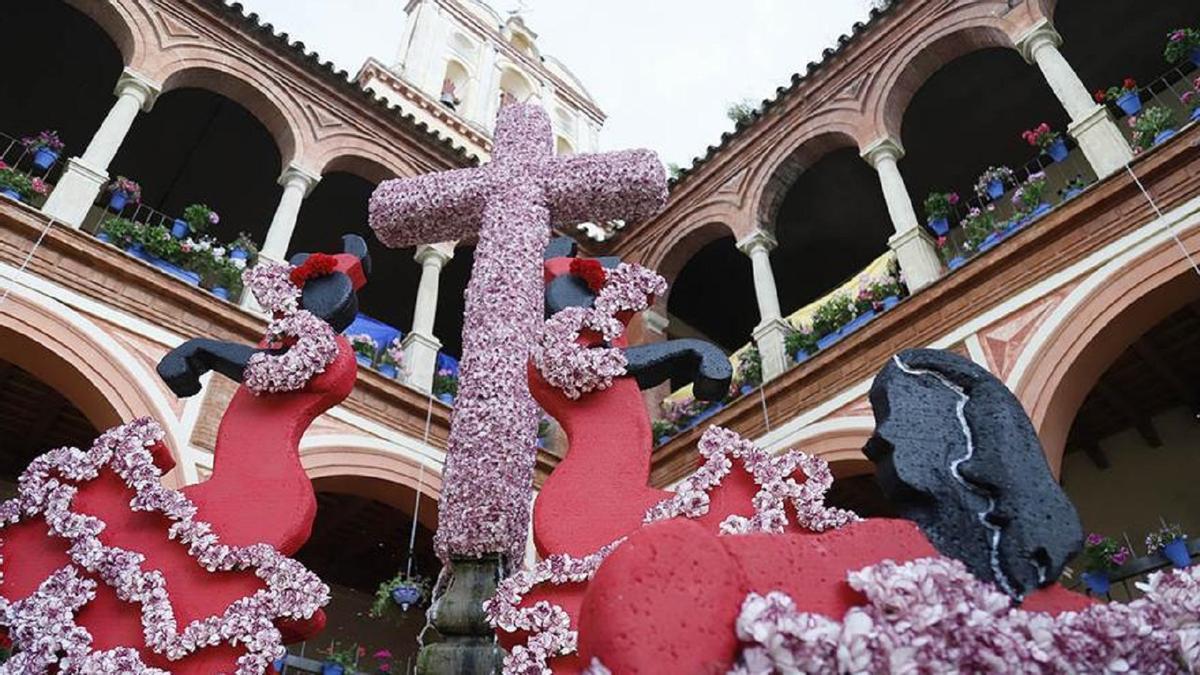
[(316, 265), (591, 271)]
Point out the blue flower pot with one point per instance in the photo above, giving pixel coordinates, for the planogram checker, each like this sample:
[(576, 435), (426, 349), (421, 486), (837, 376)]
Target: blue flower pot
[(175, 270), (1163, 136), (801, 356), (1071, 194), (1097, 582), (1041, 210), (708, 412), (388, 370), (136, 251), (858, 322), (1196, 115), (12, 194), (448, 399), (279, 664), (745, 389), (995, 189), (222, 293), (661, 440), (956, 262), (180, 229), (990, 241), (1177, 553), (406, 596), (364, 361), (890, 302), (940, 226), (1058, 150), (827, 341), (332, 669), (1194, 56), (44, 158), (1131, 103), (239, 254), (102, 236), (118, 200)]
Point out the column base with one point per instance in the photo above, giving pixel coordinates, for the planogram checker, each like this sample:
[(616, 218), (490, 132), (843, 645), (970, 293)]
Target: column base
[(420, 357), (467, 644), (917, 254), (770, 337), (1101, 141), (75, 193)]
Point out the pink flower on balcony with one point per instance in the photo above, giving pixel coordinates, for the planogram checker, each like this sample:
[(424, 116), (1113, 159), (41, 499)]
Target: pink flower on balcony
[(1094, 539), (1178, 36), (213, 218), (952, 198), (39, 186)]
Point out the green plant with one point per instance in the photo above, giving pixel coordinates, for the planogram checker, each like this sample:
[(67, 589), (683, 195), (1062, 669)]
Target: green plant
[(217, 273), (978, 224), (158, 242), (741, 112), (1163, 536), (445, 382), (129, 187), (749, 370), (122, 232), (1003, 174), (833, 314), (1180, 43), (1153, 121), (383, 594), (1103, 554), (675, 171), (199, 217), (803, 340), (1029, 196), (346, 658), (940, 204), (363, 345), (47, 139), (247, 244), (662, 429), (20, 182), (1128, 86)]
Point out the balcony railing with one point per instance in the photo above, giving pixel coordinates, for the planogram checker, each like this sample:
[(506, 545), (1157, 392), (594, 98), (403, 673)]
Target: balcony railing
[(41, 168), (1125, 578)]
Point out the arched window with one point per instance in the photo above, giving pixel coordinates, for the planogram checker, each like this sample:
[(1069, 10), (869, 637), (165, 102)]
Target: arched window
[(514, 87), (522, 44), (454, 85), (563, 147)]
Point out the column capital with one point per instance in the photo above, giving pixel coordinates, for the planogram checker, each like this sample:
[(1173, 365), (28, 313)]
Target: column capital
[(299, 177), (1042, 33), (759, 239), (134, 84), (881, 149), (442, 253)]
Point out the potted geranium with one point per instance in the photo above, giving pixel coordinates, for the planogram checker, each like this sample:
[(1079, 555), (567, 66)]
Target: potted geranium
[(1171, 542), (801, 344), (1101, 556), (445, 385), (402, 590), (1191, 103), (119, 232), (1073, 187), (950, 254), (46, 148), (383, 661), (749, 370), (391, 361), (1049, 141), (1028, 198), (121, 192), (197, 218), (244, 248), (1183, 43), (938, 208), (18, 186), (979, 226), (1155, 125), (994, 182), (336, 661), (1125, 96), (663, 430), (830, 317), (364, 349)]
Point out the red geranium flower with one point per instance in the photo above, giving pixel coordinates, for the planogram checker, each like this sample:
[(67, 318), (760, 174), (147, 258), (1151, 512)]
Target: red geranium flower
[(591, 271), (1100, 96), (316, 265), (1130, 83)]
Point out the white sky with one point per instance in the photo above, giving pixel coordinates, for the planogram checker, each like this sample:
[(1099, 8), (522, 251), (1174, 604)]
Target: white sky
[(663, 70)]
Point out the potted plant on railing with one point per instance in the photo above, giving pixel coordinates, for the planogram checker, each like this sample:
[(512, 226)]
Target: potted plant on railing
[(222, 276), (801, 344), (994, 182), (196, 219), (383, 661), (1073, 188), (18, 186), (885, 294), (402, 590), (1047, 140), (749, 370), (391, 361), (1101, 556), (830, 317), (938, 208), (335, 661), (1191, 101), (46, 148), (979, 226), (1155, 125), (1183, 43), (1171, 542), (950, 254), (445, 385), (120, 232), (157, 247), (121, 192), (680, 412), (663, 430), (1027, 200), (244, 248), (364, 349), (1126, 96)]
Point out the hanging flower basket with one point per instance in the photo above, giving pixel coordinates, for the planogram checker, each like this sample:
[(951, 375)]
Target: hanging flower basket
[(403, 591), (407, 595)]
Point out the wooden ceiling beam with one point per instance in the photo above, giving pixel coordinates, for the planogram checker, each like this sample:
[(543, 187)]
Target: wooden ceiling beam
[(1136, 418), (1158, 364)]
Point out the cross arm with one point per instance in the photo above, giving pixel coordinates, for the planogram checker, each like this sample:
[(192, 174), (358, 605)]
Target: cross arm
[(445, 206), (629, 185)]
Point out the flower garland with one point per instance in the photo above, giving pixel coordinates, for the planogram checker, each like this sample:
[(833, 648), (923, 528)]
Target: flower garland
[(932, 615), (549, 626), (43, 624), (576, 368), (312, 342)]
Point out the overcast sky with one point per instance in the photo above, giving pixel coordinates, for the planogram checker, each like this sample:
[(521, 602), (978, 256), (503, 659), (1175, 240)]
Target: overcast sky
[(663, 70)]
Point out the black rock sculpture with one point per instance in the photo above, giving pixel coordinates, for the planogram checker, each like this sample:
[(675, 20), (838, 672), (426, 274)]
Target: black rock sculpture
[(955, 452)]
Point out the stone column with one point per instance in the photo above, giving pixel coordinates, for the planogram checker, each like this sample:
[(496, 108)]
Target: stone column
[(84, 176), (297, 184), (772, 330), (1091, 125), (913, 246), (420, 345)]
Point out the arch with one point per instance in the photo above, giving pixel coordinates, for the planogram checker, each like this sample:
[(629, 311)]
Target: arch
[(562, 146), (101, 378), (235, 80), (523, 44), (455, 84), (682, 243), (516, 84), (1096, 322), (367, 163), (116, 20), (778, 170)]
